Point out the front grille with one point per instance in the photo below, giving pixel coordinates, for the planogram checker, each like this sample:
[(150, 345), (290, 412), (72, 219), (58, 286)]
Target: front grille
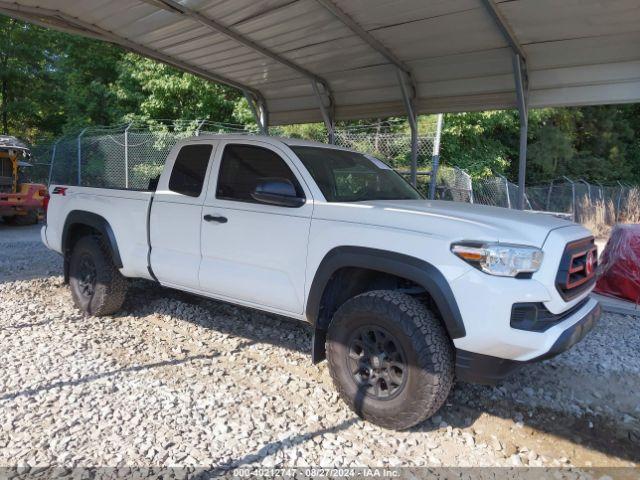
[(577, 272)]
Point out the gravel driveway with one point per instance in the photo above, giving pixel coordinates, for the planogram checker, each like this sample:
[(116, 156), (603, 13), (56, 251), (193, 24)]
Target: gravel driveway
[(180, 380)]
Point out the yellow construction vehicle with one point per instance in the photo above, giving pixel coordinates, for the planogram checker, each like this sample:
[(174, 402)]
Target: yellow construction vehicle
[(21, 202)]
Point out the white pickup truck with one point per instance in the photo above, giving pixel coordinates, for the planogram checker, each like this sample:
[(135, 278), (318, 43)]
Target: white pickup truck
[(403, 294)]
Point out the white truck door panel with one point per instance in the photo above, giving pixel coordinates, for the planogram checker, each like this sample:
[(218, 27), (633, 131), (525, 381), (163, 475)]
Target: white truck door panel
[(176, 215), (259, 254)]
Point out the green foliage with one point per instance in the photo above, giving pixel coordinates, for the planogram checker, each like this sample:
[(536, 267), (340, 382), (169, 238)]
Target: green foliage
[(595, 143), (479, 143), (152, 90)]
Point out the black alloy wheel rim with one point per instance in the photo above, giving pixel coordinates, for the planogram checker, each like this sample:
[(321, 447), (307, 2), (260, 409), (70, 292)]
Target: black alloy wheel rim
[(377, 362), (87, 274)]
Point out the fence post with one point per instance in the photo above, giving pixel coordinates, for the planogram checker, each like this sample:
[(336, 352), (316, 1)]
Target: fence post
[(200, 124), (80, 155), (619, 201), (126, 155), (573, 197), (53, 157), (548, 205), (506, 187), (435, 161)]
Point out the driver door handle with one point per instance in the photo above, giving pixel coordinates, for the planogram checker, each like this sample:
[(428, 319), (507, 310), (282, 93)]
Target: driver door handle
[(212, 218)]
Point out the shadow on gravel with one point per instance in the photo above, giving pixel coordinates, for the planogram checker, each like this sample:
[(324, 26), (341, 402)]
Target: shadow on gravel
[(609, 435), (274, 447), (99, 376)]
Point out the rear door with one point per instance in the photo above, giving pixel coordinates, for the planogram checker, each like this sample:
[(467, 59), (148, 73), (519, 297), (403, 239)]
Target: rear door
[(176, 215), (254, 252)]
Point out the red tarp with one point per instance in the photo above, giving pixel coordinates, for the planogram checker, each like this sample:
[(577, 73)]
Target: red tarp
[(619, 271)]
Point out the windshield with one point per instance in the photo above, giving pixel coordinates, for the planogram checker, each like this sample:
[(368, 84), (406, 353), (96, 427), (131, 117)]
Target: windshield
[(352, 177)]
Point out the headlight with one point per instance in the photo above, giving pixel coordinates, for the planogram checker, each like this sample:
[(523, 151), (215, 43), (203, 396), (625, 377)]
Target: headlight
[(500, 259)]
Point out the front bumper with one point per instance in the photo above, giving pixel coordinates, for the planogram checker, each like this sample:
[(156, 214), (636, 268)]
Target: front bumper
[(485, 369)]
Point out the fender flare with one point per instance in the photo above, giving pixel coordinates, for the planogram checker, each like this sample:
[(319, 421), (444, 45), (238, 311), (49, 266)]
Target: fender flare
[(95, 221), (418, 271)]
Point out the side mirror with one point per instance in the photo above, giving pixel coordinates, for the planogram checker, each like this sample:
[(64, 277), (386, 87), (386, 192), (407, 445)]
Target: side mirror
[(277, 191)]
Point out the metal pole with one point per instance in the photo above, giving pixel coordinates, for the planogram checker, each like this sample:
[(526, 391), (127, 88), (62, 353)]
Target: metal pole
[(327, 114), (200, 124), (619, 201), (506, 187), (53, 157), (80, 156), (413, 125), (521, 93), (126, 155), (259, 113), (435, 160), (549, 196), (573, 197)]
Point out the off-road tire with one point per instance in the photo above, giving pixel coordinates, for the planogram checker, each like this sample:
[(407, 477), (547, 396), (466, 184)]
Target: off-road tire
[(427, 349), (109, 286)]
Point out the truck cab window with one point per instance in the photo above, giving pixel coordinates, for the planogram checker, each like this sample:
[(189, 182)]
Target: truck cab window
[(189, 170), (244, 166)]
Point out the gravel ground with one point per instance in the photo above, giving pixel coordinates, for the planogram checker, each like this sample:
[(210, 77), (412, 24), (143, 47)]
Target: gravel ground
[(177, 380)]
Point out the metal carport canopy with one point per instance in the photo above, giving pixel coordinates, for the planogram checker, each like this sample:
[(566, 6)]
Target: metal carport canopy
[(301, 61)]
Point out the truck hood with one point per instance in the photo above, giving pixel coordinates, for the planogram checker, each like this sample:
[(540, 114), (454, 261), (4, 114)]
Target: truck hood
[(453, 220)]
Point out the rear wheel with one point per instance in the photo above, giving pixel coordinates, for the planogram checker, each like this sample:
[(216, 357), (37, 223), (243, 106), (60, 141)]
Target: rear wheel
[(390, 358), (97, 287)]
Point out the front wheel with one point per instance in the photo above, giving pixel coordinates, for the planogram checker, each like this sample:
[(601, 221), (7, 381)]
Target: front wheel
[(97, 287), (390, 358)]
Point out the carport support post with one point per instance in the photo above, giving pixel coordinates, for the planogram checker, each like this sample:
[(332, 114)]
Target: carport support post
[(80, 155), (413, 125), (326, 112), (435, 161), (259, 111), (521, 94)]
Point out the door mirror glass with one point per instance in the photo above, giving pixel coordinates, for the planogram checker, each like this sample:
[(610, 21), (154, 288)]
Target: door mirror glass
[(277, 191)]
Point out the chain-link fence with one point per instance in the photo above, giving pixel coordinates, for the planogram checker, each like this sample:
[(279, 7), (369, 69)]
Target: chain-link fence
[(129, 155)]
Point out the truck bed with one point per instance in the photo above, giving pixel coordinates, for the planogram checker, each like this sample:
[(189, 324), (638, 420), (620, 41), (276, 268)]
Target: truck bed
[(125, 210)]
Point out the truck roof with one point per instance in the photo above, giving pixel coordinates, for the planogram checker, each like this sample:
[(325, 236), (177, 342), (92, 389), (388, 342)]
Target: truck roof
[(263, 138)]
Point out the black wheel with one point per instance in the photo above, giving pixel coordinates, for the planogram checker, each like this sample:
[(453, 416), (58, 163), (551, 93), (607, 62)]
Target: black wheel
[(97, 287), (390, 358)]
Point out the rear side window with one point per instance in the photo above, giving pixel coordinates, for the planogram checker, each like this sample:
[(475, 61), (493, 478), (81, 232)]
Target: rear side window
[(244, 166), (190, 169)]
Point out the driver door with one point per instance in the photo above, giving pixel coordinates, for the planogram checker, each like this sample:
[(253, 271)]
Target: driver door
[(253, 252)]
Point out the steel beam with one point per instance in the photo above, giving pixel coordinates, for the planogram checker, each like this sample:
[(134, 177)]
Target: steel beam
[(175, 7), (504, 28), (435, 160), (61, 21), (519, 61), (327, 112), (523, 113), (259, 111), (372, 41), (413, 125)]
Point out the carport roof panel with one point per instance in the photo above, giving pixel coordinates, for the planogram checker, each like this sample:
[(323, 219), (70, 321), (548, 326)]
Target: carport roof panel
[(578, 51)]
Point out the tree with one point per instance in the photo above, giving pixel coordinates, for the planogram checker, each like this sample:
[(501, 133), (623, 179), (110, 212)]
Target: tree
[(146, 90), (27, 101)]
